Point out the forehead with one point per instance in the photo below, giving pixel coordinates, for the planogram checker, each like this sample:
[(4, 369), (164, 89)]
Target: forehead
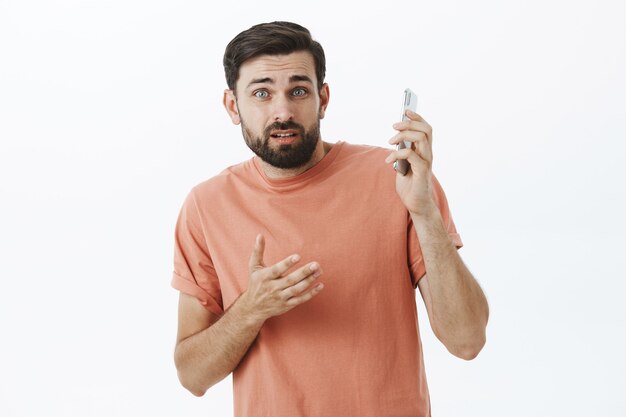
[(277, 67)]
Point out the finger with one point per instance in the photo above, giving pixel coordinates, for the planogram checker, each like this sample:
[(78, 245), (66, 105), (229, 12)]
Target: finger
[(300, 287), (414, 116), (411, 125), (278, 269), (405, 153), (425, 151), (294, 301), (413, 156), (408, 135), (312, 269), (256, 259)]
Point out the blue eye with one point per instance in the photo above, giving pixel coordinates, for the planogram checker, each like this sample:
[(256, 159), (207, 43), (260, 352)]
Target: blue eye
[(261, 94), (299, 92)]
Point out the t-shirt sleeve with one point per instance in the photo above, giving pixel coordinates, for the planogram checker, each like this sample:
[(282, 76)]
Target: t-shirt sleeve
[(416, 261), (194, 273)]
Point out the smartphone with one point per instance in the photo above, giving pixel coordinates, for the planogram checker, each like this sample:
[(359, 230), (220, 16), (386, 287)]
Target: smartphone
[(409, 103)]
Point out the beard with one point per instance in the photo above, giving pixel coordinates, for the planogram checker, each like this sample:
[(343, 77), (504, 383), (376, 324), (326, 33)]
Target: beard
[(286, 156)]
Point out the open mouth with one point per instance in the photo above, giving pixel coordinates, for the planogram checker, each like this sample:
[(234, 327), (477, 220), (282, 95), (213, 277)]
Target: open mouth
[(284, 137)]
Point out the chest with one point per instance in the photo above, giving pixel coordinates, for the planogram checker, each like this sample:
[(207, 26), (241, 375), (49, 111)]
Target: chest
[(357, 233)]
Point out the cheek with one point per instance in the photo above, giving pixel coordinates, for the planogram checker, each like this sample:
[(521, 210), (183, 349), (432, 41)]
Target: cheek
[(253, 116), (254, 123)]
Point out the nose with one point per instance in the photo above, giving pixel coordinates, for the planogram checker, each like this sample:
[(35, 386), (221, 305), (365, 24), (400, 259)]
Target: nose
[(282, 110)]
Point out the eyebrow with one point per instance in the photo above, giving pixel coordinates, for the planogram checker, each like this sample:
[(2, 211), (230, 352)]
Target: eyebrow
[(292, 79)]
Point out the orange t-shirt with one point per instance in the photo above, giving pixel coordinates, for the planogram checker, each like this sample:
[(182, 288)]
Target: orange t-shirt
[(354, 349)]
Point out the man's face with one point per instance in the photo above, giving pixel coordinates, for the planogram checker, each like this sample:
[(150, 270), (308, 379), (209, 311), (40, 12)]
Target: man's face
[(279, 108)]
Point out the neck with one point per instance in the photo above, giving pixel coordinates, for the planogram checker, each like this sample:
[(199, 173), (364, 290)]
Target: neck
[(321, 150)]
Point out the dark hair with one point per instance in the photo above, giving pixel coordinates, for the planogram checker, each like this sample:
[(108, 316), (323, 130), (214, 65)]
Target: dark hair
[(275, 38)]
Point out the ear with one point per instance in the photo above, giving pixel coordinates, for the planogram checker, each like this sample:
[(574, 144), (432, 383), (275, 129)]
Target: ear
[(324, 98), (230, 104)]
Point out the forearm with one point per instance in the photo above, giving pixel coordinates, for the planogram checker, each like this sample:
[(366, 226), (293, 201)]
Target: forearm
[(207, 357), (459, 307)]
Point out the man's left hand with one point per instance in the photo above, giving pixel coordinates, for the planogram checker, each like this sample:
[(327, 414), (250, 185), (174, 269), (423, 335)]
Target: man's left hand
[(414, 188)]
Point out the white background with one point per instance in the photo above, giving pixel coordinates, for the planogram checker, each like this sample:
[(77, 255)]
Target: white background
[(110, 111)]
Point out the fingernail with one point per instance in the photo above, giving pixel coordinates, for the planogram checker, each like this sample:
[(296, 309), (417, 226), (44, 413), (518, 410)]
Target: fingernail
[(313, 267), (295, 258)]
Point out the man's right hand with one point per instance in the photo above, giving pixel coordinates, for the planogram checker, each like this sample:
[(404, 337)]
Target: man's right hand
[(271, 291)]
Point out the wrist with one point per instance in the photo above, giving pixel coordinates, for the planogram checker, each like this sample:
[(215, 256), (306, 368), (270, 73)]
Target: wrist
[(247, 312), (427, 213)]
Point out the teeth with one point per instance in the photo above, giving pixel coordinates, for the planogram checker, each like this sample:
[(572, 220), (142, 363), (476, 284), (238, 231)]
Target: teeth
[(284, 135)]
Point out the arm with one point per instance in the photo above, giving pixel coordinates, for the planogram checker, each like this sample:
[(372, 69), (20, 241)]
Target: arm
[(209, 347), (457, 308)]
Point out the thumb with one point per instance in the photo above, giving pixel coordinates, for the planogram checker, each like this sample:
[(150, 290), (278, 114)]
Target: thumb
[(256, 259)]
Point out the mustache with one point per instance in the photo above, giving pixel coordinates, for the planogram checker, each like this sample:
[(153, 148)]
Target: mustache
[(283, 126)]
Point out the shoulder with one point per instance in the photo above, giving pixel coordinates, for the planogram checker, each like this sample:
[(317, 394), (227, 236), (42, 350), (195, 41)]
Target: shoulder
[(371, 156), (363, 169), (364, 151), (365, 159), (228, 180)]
